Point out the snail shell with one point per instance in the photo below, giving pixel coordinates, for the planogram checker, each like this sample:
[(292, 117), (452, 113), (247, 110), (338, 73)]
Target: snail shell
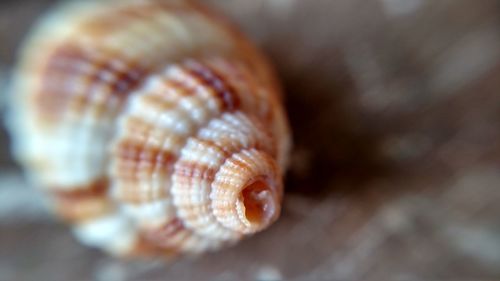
[(154, 126)]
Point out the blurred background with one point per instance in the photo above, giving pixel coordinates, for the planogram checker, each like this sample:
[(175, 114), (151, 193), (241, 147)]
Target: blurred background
[(395, 175)]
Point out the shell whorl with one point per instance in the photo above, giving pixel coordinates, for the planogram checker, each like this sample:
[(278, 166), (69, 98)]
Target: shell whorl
[(154, 126)]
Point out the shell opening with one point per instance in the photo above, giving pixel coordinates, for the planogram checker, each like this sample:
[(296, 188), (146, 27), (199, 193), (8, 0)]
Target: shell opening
[(246, 193), (258, 203)]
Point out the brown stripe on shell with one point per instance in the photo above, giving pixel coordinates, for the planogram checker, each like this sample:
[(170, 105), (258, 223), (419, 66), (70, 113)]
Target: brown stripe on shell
[(208, 77), (84, 202), (71, 73), (137, 152), (237, 72), (136, 158), (251, 59), (162, 237), (167, 230)]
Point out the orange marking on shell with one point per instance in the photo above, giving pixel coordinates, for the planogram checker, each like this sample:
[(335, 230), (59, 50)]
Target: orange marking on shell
[(188, 170), (72, 73), (158, 103), (84, 202), (138, 127), (94, 189)]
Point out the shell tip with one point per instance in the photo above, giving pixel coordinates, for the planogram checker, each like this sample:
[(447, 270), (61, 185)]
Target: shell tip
[(260, 205)]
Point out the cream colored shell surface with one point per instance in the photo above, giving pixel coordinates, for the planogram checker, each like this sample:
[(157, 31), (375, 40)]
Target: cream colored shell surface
[(154, 126)]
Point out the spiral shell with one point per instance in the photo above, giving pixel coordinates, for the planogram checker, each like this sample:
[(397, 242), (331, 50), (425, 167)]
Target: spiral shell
[(154, 126)]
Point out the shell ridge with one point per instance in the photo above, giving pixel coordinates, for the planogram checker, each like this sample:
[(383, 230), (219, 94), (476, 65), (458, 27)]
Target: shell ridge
[(222, 125), (194, 92)]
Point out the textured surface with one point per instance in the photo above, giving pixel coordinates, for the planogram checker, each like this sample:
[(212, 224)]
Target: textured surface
[(153, 126), (394, 106)]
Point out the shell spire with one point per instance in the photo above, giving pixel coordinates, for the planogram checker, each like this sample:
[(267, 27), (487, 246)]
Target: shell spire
[(154, 126)]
